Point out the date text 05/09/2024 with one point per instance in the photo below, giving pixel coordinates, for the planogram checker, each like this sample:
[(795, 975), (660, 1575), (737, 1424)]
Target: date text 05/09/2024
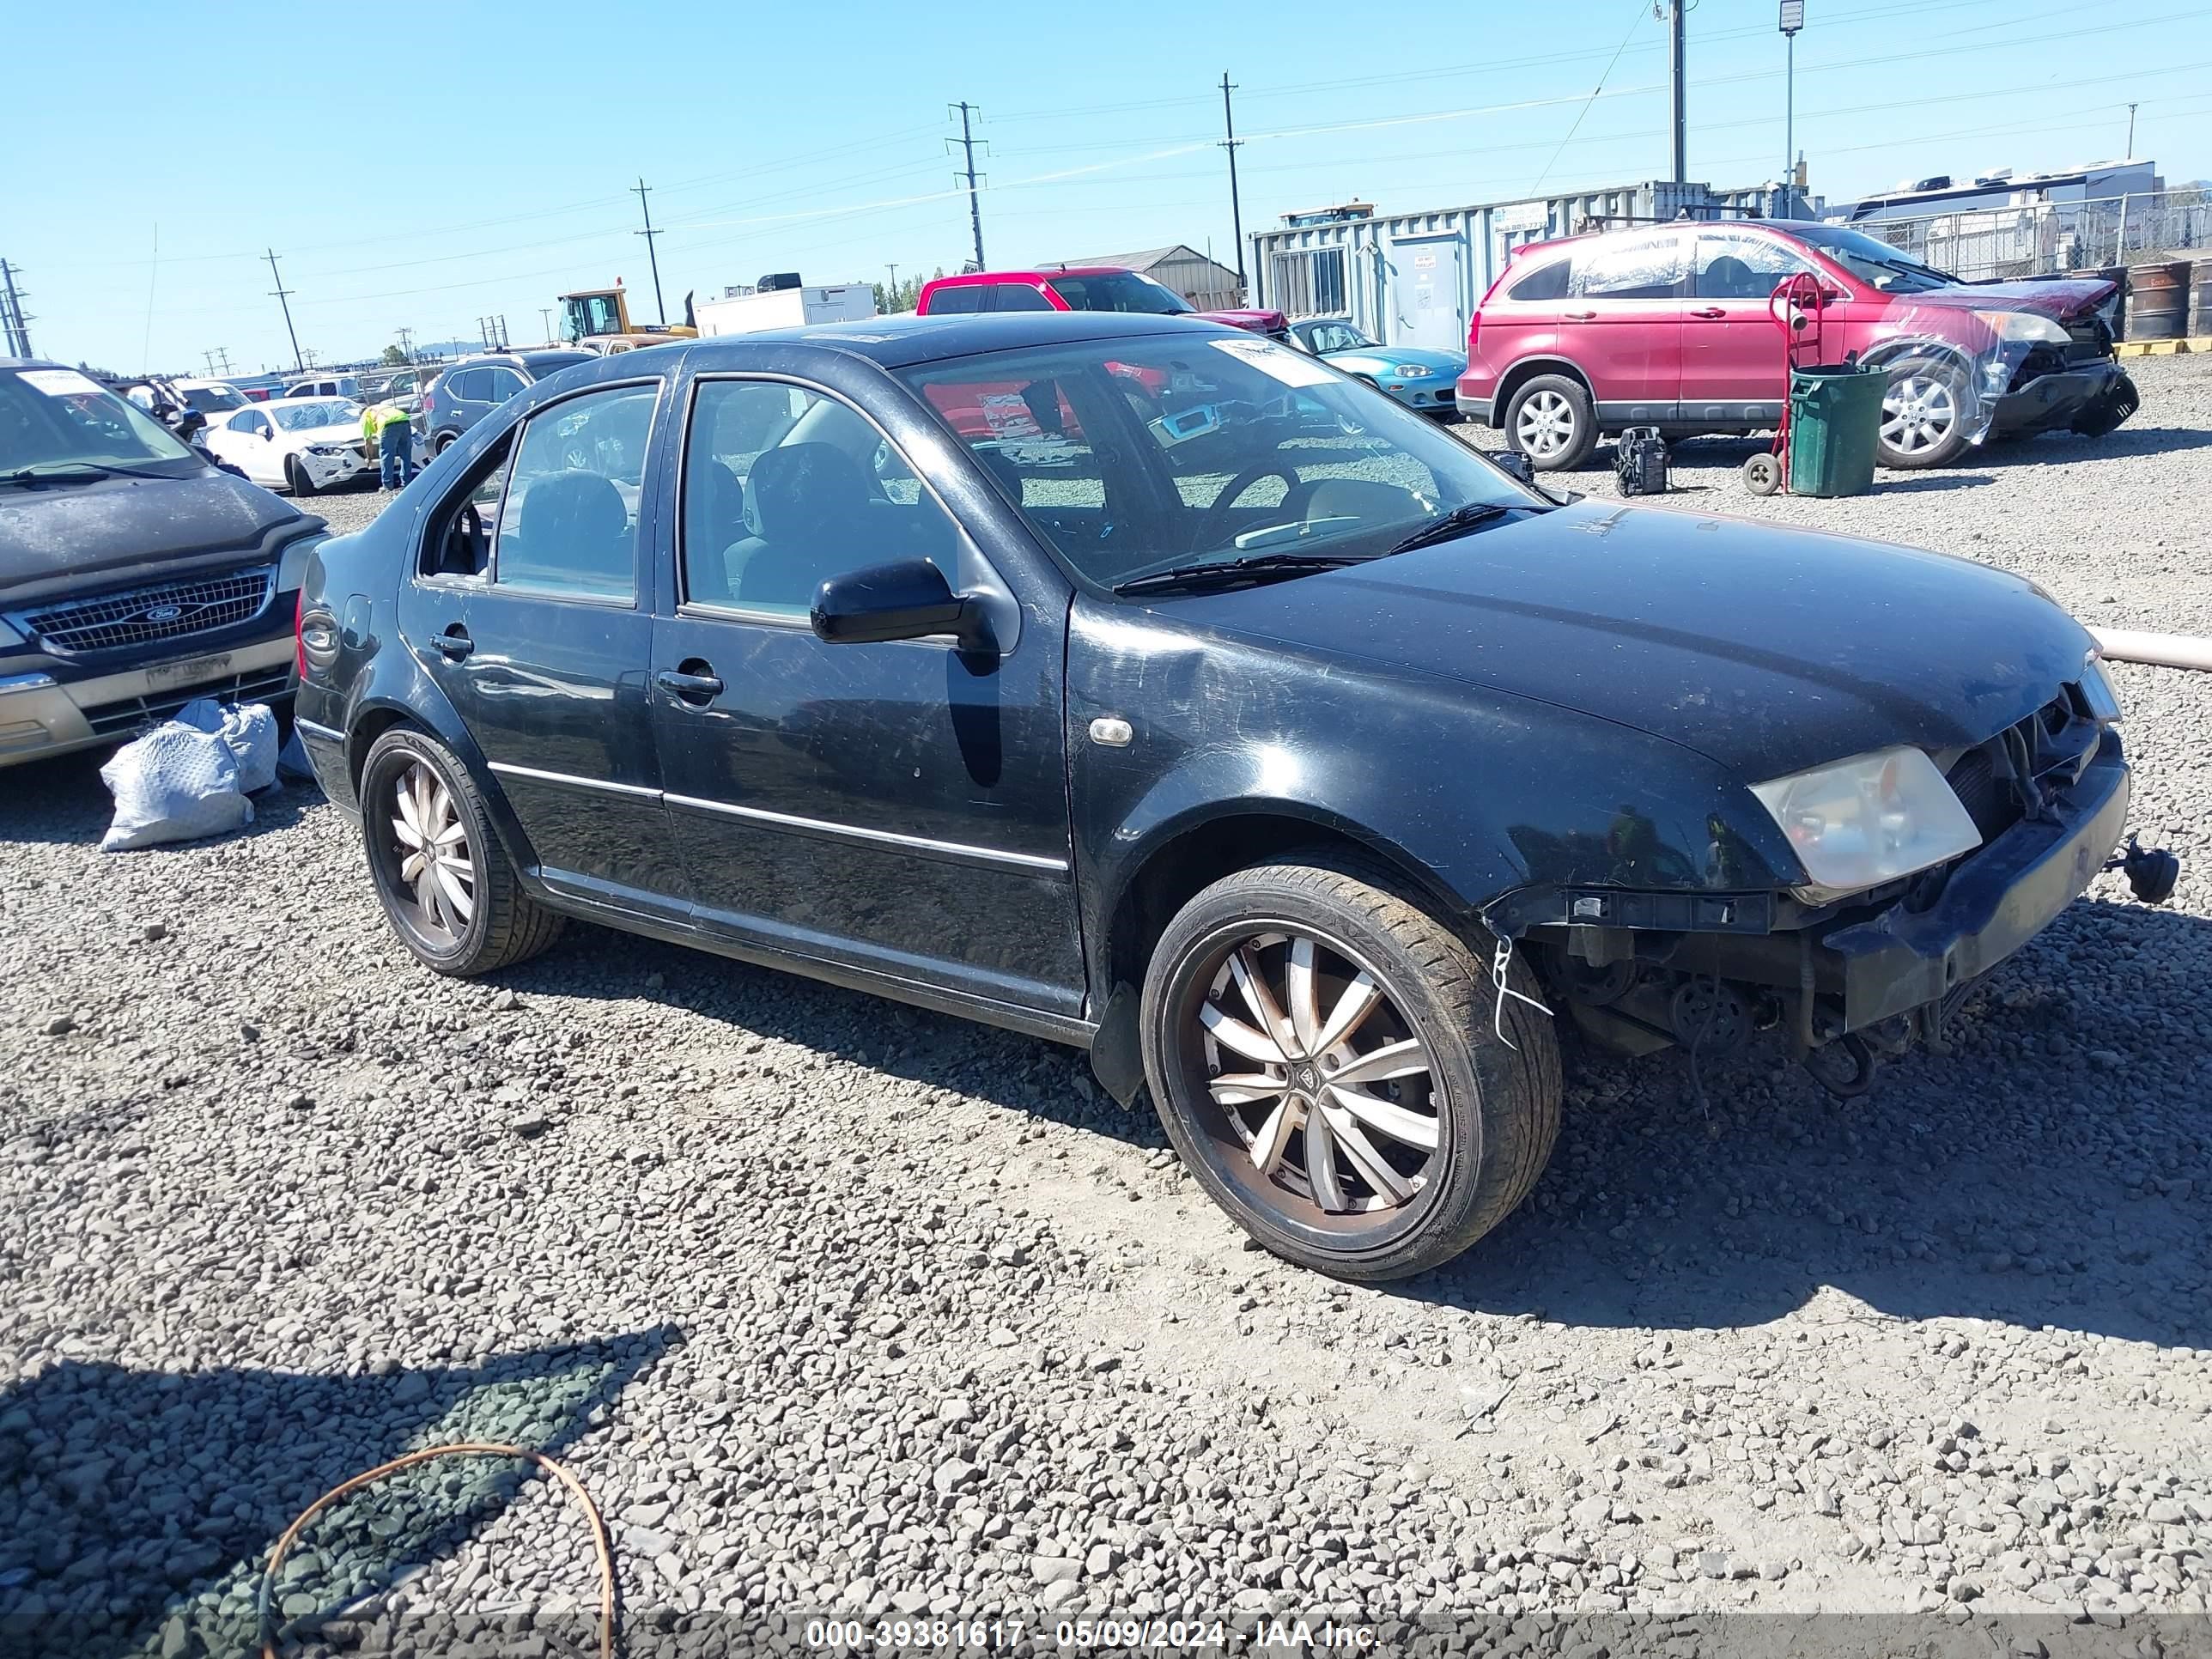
[(1163, 1635)]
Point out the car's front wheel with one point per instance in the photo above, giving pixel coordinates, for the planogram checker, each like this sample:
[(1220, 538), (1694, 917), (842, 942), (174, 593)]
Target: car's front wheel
[(1552, 421), (1321, 1053), (295, 478), (1924, 411), (445, 882)]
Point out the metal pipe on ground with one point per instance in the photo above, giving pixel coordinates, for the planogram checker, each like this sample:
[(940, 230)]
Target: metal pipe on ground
[(2158, 650)]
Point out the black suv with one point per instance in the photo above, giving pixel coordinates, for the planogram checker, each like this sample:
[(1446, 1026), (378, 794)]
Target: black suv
[(1156, 688), (464, 394), (134, 576)]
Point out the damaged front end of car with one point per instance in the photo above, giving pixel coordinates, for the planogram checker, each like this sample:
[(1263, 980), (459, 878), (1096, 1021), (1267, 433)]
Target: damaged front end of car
[(1852, 974)]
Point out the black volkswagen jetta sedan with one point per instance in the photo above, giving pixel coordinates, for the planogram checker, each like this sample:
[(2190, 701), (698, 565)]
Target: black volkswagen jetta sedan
[(1146, 685)]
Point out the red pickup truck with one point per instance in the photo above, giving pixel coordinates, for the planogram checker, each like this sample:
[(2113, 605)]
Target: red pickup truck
[(1078, 288)]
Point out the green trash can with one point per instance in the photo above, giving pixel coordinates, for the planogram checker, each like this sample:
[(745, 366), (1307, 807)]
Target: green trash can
[(1835, 426)]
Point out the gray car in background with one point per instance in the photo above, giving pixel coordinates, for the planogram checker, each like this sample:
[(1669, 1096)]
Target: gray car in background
[(475, 386)]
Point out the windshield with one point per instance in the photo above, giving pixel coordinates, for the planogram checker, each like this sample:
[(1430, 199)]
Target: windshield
[(212, 399), (52, 420), (543, 364), (1132, 455), (305, 417), (1889, 268), (1120, 290)]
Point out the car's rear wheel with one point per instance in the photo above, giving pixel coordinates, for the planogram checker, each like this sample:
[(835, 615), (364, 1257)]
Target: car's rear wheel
[(1552, 421), (1924, 411), (444, 882), (444, 441), (1321, 1051)]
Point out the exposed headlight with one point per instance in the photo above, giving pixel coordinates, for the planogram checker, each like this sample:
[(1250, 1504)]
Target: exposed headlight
[(331, 451), (2024, 327), (1867, 820), (2098, 692), (1410, 371)]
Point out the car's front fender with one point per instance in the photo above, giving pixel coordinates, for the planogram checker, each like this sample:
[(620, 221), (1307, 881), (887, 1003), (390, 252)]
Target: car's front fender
[(1474, 795)]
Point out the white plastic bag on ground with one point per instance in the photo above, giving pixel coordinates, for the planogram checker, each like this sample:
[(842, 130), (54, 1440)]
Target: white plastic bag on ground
[(176, 783), (249, 728)]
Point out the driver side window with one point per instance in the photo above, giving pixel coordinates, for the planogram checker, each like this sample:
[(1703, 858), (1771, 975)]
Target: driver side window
[(1742, 267), (784, 488)]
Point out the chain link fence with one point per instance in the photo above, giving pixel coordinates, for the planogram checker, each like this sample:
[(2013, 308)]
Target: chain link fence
[(2042, 239)]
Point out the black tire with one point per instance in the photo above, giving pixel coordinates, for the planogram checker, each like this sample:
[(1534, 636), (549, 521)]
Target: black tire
[(1924, 414), (504, 924), (1495, 1111), (444, 441), (296, 479), (1560, 405)]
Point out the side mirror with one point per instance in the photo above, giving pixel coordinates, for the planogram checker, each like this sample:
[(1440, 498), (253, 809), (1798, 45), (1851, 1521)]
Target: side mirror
[(268, 434), (1515, 465), (909, 599)]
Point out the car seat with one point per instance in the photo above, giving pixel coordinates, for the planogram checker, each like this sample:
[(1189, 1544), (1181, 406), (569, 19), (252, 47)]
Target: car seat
[(807, 506), (1730, 278), (713, 512), (570, 530)]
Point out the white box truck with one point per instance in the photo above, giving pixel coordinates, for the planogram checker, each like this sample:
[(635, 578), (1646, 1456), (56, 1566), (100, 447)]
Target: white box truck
[(748, 311)]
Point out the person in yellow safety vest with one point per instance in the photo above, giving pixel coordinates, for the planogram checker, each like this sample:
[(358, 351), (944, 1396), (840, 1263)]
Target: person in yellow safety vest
[(386, 426)]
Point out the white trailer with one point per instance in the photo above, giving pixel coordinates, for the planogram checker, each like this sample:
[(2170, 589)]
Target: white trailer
[(750, 310)]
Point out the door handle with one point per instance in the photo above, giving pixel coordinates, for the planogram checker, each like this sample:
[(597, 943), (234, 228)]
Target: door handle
[(1708, 312), (455, 643), (694, 688), (1578, 316)]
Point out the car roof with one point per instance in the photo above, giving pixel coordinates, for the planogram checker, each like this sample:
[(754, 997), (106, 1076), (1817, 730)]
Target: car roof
[(967, 278), (305, 398), (902, 341), (29, 362)]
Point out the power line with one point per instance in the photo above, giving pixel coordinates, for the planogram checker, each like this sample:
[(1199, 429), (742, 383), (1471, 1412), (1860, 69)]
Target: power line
[(968, 145), (1633, 23), (652, 258), (283, 297)]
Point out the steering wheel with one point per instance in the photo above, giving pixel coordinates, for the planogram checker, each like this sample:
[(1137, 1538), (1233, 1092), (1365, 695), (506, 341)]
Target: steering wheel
[(1217, 515)]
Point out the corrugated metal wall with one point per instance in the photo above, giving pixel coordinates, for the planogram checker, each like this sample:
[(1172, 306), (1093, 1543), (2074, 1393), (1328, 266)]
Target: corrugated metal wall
[(1199, 280), (1347, 268)]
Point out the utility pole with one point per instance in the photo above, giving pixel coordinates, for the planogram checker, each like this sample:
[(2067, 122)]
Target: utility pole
[(653, 259), (283, 297), (545, 317), (407, 343), (1236, 202), (2131, 134), (1676, 10), (14, 324), (968, 145), (1793, 19)]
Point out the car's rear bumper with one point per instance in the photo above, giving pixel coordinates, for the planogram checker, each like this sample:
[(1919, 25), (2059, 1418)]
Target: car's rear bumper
[(2054, 399), (1994, 903), (42, 715)]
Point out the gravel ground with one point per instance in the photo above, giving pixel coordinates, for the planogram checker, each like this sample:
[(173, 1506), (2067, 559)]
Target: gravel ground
[(833, 1304)]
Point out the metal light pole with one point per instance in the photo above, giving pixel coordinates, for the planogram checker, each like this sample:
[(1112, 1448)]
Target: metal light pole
[(1793, 19), (2132, 133)]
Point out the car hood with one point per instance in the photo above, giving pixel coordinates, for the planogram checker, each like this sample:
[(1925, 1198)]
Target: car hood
[(1384, 360), (2059, 301), (1259, 322), (345, 432), (67, 534), (1768, 651)]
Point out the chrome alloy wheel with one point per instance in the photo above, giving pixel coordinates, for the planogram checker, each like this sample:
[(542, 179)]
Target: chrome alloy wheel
[(1312, 1065), (1545, 426), (1917, 413), (430, 859)]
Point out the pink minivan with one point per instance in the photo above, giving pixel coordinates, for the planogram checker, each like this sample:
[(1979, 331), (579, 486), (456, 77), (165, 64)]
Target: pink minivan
[(1668, 326)]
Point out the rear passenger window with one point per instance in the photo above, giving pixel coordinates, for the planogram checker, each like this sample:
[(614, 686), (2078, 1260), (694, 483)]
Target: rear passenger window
[(1017, 296), (956, 301), (1633, 268), (1547, 282), (568, 525)]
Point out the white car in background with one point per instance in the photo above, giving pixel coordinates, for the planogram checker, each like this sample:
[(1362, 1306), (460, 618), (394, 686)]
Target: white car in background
[(297, 444)]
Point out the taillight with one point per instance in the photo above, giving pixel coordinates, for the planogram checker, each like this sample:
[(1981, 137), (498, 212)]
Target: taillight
[(1474, 332)]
